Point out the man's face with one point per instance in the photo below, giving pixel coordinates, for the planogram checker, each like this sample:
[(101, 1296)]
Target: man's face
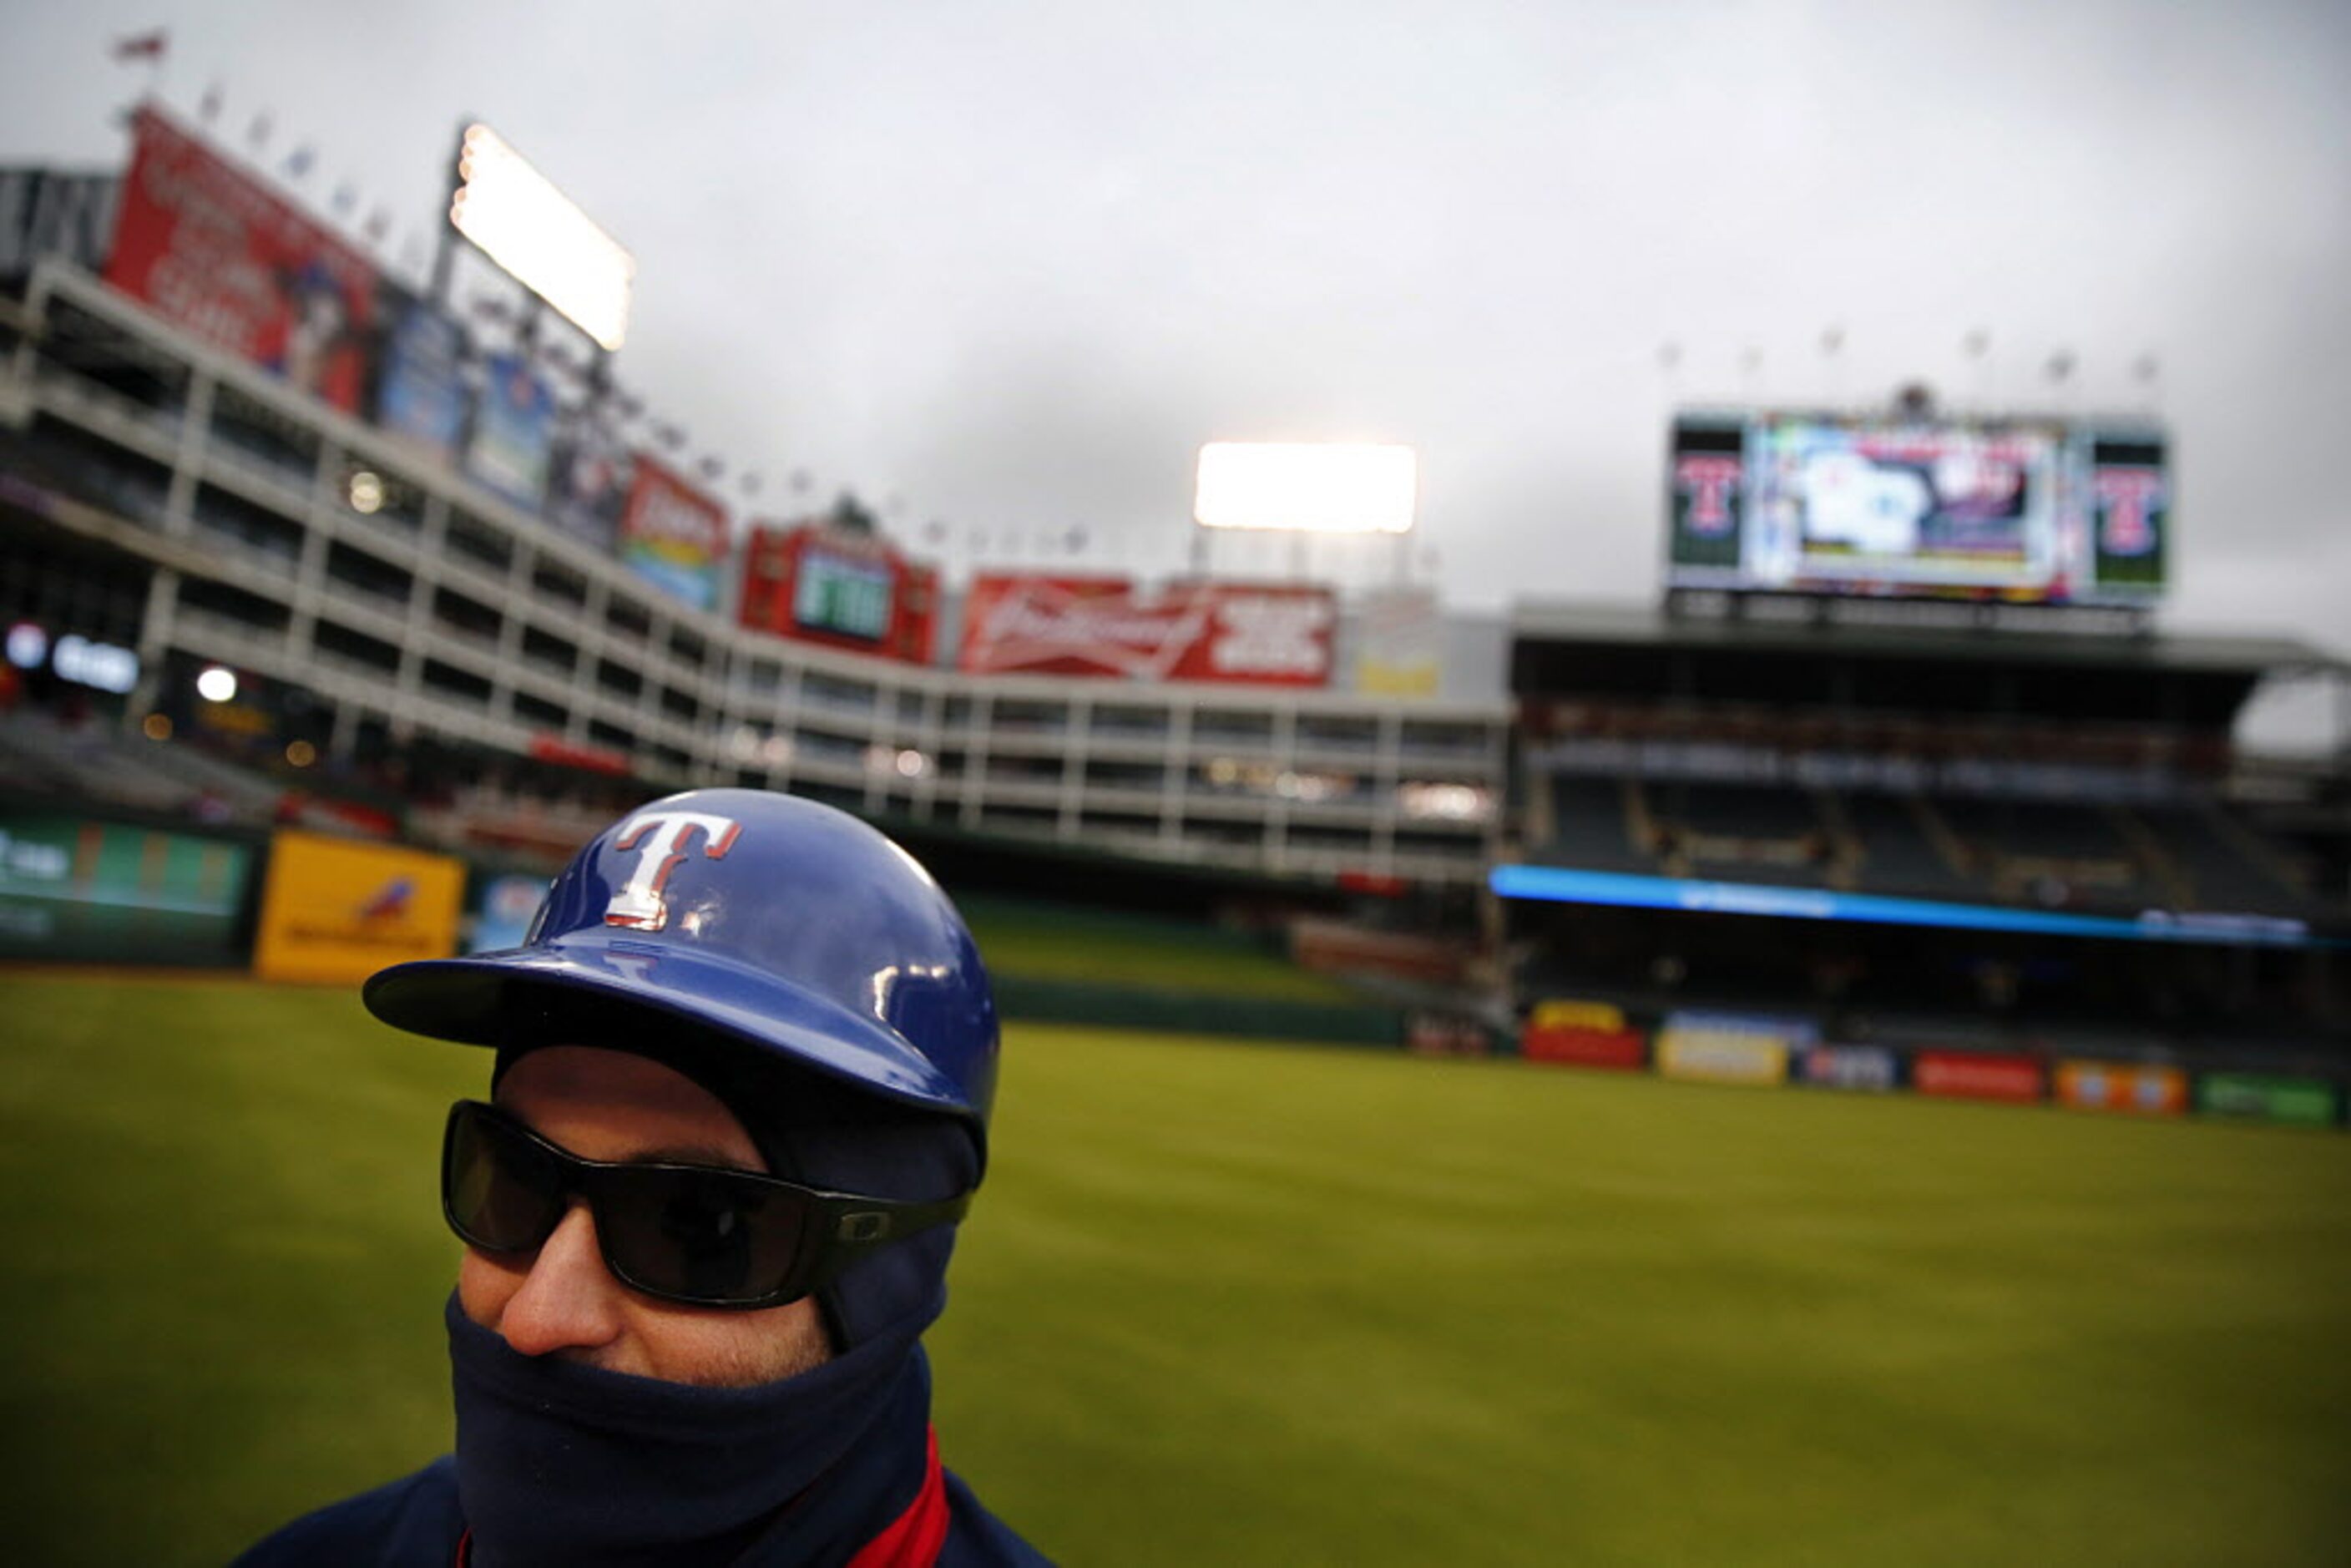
[(561, 1299)]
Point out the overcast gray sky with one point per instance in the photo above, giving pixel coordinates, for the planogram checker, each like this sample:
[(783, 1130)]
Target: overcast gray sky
[(1013, 263)]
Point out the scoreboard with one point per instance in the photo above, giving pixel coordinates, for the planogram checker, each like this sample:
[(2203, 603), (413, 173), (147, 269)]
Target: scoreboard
[(2030, 511)]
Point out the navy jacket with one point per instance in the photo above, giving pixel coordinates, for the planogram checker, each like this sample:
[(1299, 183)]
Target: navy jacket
[(415, 1522)]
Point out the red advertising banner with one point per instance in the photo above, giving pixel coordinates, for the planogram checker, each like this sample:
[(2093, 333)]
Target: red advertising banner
[(213, 252), (1583, 1034), (1977, 1076), (1241, 634), (839, 587), (673, 535), (594, 758)]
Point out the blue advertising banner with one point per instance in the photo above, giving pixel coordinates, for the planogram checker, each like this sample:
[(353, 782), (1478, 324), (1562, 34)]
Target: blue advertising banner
[(514, 432), (508, 905), (421, 395), (1862, 1067)]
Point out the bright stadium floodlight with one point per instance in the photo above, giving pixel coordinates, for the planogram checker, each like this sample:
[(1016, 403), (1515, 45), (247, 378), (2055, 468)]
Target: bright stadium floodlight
[(519, 220), (1321, 487)]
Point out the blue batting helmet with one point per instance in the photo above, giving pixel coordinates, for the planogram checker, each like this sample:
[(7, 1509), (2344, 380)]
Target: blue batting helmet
[(750, 918)]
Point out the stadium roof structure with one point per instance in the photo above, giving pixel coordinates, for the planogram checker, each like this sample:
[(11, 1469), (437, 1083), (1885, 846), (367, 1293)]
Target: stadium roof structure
[(1596, 623), (1802, 655)]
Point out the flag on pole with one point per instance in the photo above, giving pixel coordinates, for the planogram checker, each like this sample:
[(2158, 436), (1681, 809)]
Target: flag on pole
[(148, 46)]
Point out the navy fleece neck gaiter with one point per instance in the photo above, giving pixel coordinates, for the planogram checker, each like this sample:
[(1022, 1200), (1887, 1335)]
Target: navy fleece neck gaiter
[(562, 1463)]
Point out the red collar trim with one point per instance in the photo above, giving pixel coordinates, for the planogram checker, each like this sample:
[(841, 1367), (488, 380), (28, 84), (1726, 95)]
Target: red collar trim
[(914, 1539)]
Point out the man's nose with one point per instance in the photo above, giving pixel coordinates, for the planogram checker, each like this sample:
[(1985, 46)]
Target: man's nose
[(568, 1300)]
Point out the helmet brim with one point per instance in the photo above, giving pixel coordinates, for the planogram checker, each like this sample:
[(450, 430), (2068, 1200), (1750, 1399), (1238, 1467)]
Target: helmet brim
[(489, 998)]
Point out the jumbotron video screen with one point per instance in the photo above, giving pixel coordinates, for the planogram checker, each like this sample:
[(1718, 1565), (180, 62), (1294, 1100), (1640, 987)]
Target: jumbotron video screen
[(2037, 510)]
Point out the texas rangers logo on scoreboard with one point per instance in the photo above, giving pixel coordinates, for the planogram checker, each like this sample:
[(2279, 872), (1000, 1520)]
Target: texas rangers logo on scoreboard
[(2127, 501), (1710, 483)]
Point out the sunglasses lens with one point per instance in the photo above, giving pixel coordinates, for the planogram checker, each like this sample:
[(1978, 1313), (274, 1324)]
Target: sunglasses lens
[(704, 1235), (501, 1193)]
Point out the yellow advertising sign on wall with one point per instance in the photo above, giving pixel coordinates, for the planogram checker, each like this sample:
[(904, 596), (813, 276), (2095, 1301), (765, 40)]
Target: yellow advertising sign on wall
[(1566, 1012), (1702, 1055), (334, 911)]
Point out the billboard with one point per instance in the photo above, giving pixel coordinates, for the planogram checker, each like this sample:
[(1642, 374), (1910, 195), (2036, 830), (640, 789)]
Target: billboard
[(593, 473), (1583, 1034), (507, 907), (1399, 644), (514, 431), (2037, 510), (673, 535), (1428, 1033), (1869, 1068), (816, 582), (1977, 1076), (213, 252), (1730, 1048), (76, 888), (2134, 1088), (334, 911), (1237, 633), (420, 391), (44, 211), (2267, 1097)]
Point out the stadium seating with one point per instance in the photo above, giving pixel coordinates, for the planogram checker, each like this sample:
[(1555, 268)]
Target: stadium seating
[(2226, 864), (1765, 833), (2050, 852), (1591, 827), (90, 762)]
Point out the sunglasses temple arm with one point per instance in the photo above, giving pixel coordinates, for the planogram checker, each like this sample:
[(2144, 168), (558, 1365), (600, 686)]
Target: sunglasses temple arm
[(859, 1227)]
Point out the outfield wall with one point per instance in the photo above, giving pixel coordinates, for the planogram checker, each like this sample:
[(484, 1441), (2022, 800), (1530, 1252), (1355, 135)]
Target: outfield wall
[(1771, 1051), (116, 888)]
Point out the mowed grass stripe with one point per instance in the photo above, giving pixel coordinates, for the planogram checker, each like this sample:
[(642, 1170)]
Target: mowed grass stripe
[(1251, 1305)]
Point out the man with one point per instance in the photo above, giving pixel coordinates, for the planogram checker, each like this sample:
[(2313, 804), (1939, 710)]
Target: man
[(744, 1060)]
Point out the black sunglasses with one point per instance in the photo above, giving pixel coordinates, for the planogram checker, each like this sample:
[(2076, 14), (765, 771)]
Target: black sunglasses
[(698, 1234)]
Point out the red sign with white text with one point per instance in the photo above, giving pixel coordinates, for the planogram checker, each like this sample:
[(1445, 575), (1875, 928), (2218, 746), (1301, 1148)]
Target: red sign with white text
[(212, 251), (1231, 632), (1621, 1049), (1977, 1076)]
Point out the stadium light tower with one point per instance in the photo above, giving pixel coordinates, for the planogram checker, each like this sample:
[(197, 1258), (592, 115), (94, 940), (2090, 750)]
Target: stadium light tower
[(1302, 489), (515, 215)]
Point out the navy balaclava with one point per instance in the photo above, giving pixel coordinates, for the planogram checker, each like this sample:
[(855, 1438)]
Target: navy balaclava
[(558, 1462)]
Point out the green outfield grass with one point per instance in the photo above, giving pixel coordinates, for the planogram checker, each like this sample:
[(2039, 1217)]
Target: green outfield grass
[(1246, 1304), (1051, 942)]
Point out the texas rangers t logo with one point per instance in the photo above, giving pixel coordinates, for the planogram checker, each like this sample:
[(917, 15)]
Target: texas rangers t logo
[(659, 838)]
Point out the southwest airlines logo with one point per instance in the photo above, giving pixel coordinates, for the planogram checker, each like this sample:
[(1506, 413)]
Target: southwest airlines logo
[(389, 902), (659, 840)]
